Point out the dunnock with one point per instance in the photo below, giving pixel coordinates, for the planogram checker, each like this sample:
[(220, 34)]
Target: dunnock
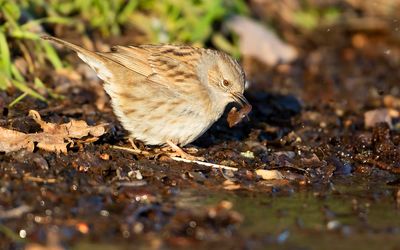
[(166, 94)]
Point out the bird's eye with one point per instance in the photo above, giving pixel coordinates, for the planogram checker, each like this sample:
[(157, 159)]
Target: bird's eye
[(226, 83)]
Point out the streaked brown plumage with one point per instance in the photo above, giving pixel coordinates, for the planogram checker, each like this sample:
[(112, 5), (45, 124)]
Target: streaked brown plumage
[(166, 93)]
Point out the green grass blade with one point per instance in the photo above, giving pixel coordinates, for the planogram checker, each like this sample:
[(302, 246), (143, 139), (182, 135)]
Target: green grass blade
[(16, 74), (51, 19), (52, 56), (127, 10), (22, 87), (4, 81), (40, 85), (24, 34), (5, 60), (17, 100), (223, 44), (12, 10)]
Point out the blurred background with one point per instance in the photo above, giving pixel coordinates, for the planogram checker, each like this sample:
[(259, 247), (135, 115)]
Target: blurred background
[(324, 82), (266, 35)]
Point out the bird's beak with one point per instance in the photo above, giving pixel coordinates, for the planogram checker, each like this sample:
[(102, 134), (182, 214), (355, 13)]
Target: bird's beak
[(239, 98)]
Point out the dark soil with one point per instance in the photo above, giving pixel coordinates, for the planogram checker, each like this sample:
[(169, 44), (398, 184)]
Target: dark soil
[(340, 185)]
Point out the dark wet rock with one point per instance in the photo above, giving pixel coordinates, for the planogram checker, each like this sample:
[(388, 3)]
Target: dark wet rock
[(341, 168)]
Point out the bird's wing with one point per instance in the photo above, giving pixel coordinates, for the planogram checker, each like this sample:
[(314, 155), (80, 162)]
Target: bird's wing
[(168, 66), (161, 66)]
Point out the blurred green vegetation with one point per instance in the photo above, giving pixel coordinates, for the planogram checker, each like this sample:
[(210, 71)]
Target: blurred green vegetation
[(190, 21), (169, 21), (309, 18), (13, 37), (198, 22)]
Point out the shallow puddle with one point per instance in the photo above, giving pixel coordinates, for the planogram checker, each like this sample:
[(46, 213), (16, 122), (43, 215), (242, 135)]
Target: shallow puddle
[(349, 214)]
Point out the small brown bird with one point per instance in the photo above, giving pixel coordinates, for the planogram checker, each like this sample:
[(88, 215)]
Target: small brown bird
[(166, 94)]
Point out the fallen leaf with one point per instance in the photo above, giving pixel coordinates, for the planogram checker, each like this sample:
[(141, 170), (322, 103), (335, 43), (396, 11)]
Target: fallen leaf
[(391, 102), (372, 117), (54, 138), (11, 140), (230, 185), (235, 116), (269, 174), (73, 129)]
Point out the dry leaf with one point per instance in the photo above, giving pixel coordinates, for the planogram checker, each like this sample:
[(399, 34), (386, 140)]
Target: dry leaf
[(11, 140), (230, 185), (55, 137), (235, 116), (372, 117), (391, 102), (269, 174)]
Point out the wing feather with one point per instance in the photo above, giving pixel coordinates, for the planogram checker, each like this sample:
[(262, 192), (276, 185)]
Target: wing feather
[(160, 65)]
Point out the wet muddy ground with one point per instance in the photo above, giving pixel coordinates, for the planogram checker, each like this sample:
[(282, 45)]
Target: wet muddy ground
[(338, 163)]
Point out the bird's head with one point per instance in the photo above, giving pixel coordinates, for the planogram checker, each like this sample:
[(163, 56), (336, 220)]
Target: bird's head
[(226, 79)]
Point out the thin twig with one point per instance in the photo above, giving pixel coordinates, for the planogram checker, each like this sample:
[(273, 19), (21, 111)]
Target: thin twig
[(39, 179), (138, 151), (131, 150), (204, 163)]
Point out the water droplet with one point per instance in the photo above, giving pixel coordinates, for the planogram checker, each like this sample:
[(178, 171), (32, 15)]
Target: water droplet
[(22, 233), (104, 213), (192, 224)]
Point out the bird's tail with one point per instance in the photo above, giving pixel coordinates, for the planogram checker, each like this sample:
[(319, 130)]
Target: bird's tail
[(97, 62)]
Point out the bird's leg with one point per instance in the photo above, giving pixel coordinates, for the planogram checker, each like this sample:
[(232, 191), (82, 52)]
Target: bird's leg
[(182, 153), (133, 144), (136, 148)]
